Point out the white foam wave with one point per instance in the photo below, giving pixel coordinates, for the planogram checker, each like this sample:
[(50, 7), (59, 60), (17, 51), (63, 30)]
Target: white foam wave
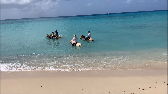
[(24, 67)]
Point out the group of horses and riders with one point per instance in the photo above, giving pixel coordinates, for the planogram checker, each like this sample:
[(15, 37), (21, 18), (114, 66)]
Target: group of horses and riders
[(74, 40), (54, 36)]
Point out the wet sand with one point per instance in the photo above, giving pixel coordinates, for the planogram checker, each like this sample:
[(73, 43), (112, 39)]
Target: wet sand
[(85, 82)]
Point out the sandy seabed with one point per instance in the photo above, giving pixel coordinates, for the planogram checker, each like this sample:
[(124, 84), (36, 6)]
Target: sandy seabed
[(85, 82)]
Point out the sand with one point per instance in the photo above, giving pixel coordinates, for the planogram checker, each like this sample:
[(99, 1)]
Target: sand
[(85, 82)]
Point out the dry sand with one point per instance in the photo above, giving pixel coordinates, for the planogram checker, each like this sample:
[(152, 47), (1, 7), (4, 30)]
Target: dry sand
[(85, 82)]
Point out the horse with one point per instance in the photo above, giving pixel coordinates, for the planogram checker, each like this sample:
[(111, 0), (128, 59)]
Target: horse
[(77, 44), (48, 36), (58, 37), (51, 36), (83, 37)]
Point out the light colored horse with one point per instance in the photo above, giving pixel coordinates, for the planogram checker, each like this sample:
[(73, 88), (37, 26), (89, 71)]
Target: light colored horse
[(59, 36), (77, 45), (90, 39)]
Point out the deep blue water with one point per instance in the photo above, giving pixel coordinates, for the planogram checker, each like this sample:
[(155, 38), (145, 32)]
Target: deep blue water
[(111, 33)]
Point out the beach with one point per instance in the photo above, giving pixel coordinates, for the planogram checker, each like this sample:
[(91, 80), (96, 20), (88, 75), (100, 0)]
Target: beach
[(85, 82)]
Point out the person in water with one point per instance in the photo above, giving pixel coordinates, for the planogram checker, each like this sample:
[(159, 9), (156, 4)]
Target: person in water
[(88, 37), (52, 35), (75, 40), (56, 34)]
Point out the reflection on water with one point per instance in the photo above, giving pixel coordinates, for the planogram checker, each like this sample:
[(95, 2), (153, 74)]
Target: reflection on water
[(52, 42)]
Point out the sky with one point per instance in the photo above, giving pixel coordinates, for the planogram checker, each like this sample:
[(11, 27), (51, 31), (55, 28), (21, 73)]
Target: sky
[(18, 9)]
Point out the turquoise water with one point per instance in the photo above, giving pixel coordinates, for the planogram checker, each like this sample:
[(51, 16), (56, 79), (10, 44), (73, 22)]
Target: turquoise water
[(123, 35)]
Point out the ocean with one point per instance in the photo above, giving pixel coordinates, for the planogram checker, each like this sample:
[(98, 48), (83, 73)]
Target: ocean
[(122, 41)]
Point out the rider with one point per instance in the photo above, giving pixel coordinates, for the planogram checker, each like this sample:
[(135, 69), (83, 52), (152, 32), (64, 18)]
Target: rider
[(52, 35), (88, 37), (75, 40), (56, 34)]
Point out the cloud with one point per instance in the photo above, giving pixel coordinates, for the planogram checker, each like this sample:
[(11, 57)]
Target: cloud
[(89, 4), (15, 1), (128, 1), (29, 5)]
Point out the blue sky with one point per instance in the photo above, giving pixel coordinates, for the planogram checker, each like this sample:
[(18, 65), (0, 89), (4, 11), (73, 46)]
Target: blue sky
[(17, 9)]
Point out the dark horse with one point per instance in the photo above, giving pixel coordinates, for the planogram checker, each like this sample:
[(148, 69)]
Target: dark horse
[(83, 37), (49, 36)]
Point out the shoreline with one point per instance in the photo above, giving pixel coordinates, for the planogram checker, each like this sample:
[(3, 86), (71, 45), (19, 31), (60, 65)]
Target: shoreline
[(146, 65), (85, 82), (144, 59)]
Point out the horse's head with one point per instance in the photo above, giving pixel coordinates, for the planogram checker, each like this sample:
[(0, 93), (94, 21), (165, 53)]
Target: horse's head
[(82, 36), (48, 36)]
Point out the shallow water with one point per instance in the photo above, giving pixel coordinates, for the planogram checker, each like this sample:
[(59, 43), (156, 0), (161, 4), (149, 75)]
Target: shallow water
[(121, 41)]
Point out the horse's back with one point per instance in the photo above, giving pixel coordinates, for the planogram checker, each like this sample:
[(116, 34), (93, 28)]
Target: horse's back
[(59, 36), (79, 45), (90, 39)]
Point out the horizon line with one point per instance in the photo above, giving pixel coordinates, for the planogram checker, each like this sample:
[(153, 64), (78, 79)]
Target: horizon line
[(83, 15)]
